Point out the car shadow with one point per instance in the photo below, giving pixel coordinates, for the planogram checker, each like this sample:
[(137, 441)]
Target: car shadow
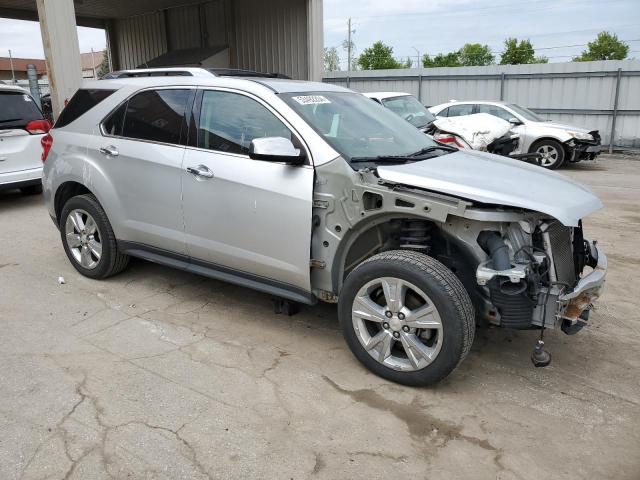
[(10, 199)]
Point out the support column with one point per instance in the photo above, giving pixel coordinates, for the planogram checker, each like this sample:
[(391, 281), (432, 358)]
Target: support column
[(61, 49), (315, 40)]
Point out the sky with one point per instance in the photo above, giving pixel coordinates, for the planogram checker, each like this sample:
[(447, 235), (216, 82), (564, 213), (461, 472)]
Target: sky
[(428, 26), (434, 26), (24, 40)]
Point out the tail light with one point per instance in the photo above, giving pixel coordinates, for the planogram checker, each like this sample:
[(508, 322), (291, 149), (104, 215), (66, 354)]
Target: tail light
[(38, 126), (46, 142), (448, 139)]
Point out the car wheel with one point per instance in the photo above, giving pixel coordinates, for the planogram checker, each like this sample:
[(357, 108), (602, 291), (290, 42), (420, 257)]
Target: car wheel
[(406, 317), (552, 153), (88, 238), (32, 189)]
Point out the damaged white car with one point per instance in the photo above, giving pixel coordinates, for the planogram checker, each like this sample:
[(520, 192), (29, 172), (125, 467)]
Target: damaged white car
[(311, 192)]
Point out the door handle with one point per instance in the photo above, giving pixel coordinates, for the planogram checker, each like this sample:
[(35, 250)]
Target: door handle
[(200, 171), (109, 150)]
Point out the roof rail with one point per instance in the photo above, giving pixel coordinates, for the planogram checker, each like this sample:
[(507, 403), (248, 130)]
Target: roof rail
[(190, 72), (158, 72), (238, 72)]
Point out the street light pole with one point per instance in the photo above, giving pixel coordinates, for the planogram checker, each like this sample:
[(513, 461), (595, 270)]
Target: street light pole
[(419, 57), (93, 64)]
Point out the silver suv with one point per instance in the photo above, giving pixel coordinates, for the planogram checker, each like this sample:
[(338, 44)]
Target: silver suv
[(310, 191)]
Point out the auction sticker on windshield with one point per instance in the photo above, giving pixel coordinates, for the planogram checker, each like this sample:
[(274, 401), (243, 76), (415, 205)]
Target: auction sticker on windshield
[(311, 99)]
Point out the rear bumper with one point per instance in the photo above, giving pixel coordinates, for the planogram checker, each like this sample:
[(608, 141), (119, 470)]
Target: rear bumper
[(22, 178)]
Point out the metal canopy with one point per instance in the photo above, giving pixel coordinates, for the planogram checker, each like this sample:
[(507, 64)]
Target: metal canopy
[(91, 13)]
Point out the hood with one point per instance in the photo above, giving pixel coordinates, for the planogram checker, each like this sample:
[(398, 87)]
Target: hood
[(561, 126), (487, 178)]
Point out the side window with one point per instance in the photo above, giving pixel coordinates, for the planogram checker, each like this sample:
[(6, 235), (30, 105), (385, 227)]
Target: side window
[(444, 113), (495, 111), (113, 124), (81, 102), (230, 121), (459, 110), (156, 115)]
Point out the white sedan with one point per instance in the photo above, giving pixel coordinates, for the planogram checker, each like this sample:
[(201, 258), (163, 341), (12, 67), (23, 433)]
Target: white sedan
[(556, 142)]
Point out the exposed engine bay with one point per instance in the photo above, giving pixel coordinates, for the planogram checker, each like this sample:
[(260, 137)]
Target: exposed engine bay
[(534, 275)]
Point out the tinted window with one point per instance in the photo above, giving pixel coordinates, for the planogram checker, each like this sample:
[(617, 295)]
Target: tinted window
[(458, 110), (156, 115), (495, 111), (113, 124), (229, 122), (83, 101), (17, 109)]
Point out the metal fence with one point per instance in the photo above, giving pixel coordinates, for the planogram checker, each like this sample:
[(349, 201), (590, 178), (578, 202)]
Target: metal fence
[(601, 95)]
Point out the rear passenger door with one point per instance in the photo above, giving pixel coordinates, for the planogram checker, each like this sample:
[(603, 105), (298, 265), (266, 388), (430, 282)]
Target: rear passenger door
[(141, 148), (250, 218)]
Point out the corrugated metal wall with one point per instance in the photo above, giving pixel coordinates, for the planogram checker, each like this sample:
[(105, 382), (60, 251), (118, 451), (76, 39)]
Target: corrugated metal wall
[(144, 37), (271, 36), (581, 94)]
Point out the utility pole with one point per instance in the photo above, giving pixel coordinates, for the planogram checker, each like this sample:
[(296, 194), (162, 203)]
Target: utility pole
[(13, 73), (419, 63), (349, 46)]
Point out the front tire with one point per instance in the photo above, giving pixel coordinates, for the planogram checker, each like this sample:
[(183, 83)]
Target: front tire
[(88, 238), (406, 317), (553, 153)]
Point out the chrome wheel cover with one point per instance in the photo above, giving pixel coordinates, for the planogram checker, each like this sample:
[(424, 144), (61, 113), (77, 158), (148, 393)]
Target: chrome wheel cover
[(397, 324), (83, 238), (549, 155)]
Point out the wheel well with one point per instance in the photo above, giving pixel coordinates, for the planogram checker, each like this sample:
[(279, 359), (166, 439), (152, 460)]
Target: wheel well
[(539, 140), (66, 191), (391, 234)]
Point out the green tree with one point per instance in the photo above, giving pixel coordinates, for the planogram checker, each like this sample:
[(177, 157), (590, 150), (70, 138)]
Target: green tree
[(474, 54), (606, 46), (441, 60), (103, 68), (331, 59), (518, 53), (377, 57)]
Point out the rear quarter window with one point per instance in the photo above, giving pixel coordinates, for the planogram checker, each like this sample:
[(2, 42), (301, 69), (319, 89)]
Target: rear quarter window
[(17, 109), (83, 101)]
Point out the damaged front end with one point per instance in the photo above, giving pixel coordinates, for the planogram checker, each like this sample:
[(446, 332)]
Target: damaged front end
[(584, 149), (540, 274)]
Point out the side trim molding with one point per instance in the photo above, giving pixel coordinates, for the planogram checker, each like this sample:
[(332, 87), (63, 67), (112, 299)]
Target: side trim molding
[(218, 272)]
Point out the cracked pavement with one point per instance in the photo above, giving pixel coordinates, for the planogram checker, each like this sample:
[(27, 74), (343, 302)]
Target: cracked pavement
[(160, 374)]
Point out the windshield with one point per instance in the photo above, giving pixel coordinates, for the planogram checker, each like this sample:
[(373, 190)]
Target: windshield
[(17, 109), (357, 127), (409, 108), (526, 113)]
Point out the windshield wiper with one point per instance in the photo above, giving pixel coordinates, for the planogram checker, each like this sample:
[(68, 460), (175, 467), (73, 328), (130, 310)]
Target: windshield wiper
[(404, 158), (432, 148), (382, 158)]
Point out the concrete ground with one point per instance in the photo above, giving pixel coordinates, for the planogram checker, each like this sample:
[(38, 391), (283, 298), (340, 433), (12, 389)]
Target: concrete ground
[(159, 374)]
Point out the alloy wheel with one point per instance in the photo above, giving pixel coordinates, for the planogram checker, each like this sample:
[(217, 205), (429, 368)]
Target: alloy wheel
[(397, 324), (549, 155), (83, 238)]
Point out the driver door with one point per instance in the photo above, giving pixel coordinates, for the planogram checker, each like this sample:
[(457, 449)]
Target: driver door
[(250, 219)]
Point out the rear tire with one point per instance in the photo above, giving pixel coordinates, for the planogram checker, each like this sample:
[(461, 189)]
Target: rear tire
[(32, 189), (88, 238), (421, 337), (552, 151)]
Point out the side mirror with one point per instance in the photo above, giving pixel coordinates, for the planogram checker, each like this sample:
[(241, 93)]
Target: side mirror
[(514, 121), (276, 149)]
